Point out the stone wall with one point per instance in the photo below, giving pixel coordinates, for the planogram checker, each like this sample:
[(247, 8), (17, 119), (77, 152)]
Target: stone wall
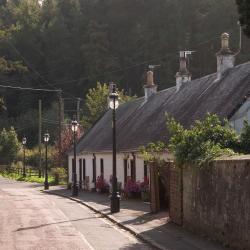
[(176, 190), (216, 201)]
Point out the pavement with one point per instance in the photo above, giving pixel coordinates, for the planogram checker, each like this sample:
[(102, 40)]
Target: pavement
[(135, 217)]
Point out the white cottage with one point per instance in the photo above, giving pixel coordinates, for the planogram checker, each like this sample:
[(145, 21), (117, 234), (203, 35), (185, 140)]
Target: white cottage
[(141, 121)]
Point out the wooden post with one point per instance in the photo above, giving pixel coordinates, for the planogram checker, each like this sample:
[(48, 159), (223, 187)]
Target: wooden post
[(40, 135), (154, 188)]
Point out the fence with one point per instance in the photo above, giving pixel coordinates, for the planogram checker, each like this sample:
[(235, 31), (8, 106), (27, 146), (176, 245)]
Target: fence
[(19, 171)]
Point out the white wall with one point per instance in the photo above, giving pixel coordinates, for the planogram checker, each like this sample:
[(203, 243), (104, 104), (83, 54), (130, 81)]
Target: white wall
[(242, 114), (108, 166)]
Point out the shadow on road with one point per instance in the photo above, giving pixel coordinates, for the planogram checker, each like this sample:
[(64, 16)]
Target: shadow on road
[(48, 224)]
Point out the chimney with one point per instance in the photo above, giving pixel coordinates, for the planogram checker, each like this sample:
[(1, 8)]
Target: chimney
[(225, 57), (150, 88), (183, 75)]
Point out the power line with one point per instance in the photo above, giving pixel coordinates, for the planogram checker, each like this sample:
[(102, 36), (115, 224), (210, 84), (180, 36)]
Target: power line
[(30, 89), (34, 70)]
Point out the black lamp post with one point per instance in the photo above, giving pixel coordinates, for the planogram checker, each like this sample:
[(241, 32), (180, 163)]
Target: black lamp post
[(46, 140), (74, 126), (115, 197), (24, 141)]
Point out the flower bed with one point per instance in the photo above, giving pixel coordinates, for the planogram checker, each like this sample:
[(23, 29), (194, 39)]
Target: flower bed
[(132, 189), (102, 185)]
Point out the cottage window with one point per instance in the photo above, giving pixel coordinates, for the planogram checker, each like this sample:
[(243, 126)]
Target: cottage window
[(80, 172), (94, 169), (133, 169), (83, 169), (125, 164), (102, 167)]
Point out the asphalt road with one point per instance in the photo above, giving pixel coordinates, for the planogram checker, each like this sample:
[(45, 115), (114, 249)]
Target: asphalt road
[(32, 220)]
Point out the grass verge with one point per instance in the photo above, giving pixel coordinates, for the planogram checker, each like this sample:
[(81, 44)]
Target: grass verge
[(36, 179)]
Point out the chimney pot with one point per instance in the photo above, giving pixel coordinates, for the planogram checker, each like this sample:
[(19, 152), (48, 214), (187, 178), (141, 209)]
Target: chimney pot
[(150, 88), (183, 75), (150, 78), (225, 57)]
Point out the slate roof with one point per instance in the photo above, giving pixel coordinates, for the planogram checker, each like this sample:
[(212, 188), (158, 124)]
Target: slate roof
[(140, 122)]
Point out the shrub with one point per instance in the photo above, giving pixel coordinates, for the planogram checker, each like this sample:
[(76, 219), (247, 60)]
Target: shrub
[(245, 138), (204, 141), (9, 146), (102, 184), (132, 186)]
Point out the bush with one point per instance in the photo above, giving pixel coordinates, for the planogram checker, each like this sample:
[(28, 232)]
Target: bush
[(59, 175), (204, 141), (102, 184), (132, 188), (245, 138), (9, 146)]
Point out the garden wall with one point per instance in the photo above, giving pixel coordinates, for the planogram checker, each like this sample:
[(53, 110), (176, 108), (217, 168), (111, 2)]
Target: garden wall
[(216, 201)]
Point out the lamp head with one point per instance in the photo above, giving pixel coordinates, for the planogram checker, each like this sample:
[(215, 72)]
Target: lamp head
[(113, 98), (24, 140), (46, 137), (74, 125)]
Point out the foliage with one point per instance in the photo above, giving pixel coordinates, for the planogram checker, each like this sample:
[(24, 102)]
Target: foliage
[(204, 141), (73, 44), (2, 106), (67, 142), (154, 152), (59, 175), (9, 146), (245, 138), (102, 184), (132, 186), (34, 179), (244, 12), (32, 156), (96, 103)]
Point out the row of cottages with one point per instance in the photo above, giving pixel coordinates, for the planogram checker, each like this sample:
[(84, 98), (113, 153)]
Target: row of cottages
[(143, 120)]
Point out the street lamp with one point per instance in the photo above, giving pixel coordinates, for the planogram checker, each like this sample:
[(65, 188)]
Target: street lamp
[(46, 140), (115, 197), (74, 127), (24, 141)]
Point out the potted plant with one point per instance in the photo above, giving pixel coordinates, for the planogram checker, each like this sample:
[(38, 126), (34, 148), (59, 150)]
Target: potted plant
[(132, 189)]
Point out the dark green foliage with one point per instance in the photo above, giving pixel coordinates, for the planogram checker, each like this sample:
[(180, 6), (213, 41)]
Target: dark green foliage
[(96, 103), (204, 141), (72, 44), (245, 138), (9, 146), (244, 11), (154, 152)]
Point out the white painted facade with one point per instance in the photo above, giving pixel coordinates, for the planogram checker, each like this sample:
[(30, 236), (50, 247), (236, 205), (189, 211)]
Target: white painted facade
[(108, 167), (237, 120)]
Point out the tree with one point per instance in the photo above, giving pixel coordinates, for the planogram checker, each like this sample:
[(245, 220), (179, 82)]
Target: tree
[(244, 12), (96, 103), (67, 142), (9, 146), (2, 106)]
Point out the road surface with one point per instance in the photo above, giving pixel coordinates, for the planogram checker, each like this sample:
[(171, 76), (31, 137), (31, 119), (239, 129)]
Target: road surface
[(32, 220)]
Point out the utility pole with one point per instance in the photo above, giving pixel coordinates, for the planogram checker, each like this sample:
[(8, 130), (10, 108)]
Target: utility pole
[(60, 126), (78, 110), (40, 135)]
